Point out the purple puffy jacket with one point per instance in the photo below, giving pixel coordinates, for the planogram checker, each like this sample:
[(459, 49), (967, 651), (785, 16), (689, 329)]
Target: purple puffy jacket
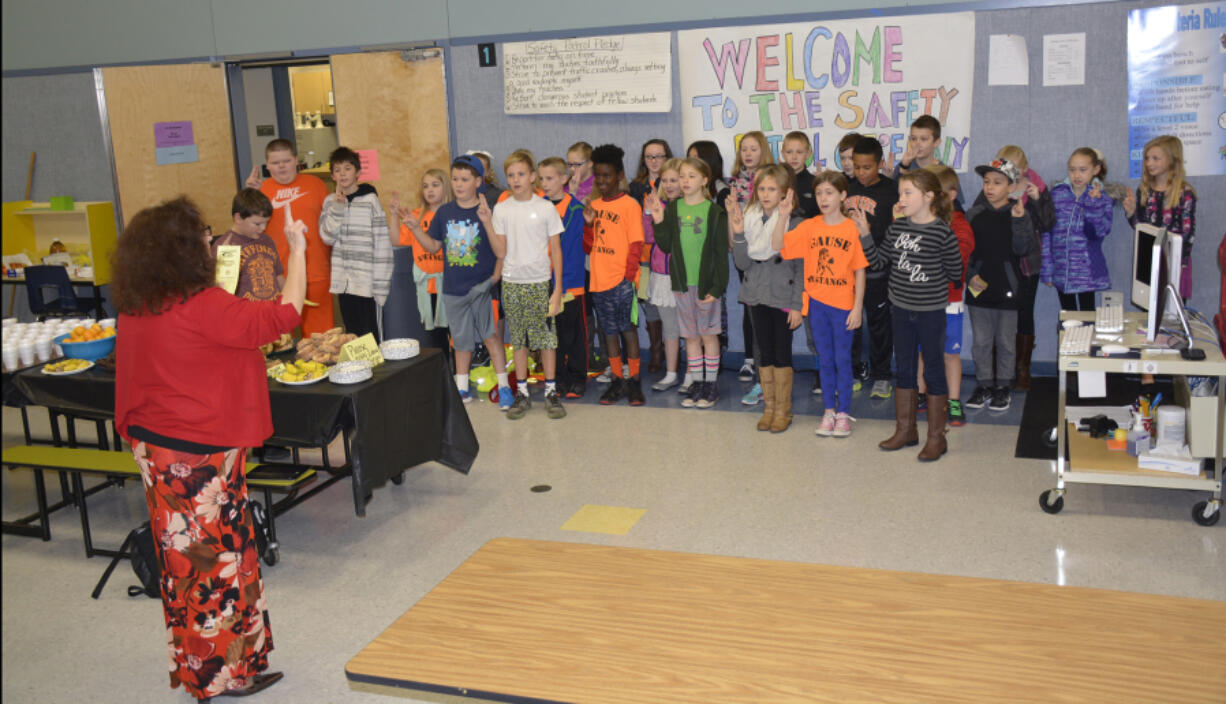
[(1073, 258)]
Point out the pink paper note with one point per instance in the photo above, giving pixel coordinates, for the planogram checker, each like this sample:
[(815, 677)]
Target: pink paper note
[(370, 164)]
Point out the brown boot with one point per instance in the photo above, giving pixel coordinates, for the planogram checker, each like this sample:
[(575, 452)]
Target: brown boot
[(767, 375), (938, 407), (905, 434), (783, 399), (1025, 347), (655, 336)]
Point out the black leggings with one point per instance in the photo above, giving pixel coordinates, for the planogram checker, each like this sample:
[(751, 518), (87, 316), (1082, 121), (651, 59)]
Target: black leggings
[(774, 337), (1077, 301)]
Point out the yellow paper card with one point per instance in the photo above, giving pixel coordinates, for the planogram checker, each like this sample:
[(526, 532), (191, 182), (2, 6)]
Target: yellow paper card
[(365, 348), (229, 261), (610, 520)]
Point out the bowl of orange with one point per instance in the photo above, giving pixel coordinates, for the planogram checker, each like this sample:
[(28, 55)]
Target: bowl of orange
[(92, 343)]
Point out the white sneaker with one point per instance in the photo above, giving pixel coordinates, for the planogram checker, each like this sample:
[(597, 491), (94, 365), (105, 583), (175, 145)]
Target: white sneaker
[(747, 371), (606, 376)]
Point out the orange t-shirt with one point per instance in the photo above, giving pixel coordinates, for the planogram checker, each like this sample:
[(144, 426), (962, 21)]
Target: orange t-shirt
[(307, 194), (426, 261), (832, 255), (618, 224)]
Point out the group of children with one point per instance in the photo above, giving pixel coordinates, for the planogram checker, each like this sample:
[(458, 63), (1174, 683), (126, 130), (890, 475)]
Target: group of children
[(571, 248)]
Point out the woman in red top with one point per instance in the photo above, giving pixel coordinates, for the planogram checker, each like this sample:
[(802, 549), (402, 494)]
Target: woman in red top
[(191, 396)]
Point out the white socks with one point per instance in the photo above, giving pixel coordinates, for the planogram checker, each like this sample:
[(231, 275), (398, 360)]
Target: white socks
[(461, 382)]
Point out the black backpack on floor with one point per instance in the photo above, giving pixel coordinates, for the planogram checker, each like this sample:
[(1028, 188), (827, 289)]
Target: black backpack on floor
[(143, 554)]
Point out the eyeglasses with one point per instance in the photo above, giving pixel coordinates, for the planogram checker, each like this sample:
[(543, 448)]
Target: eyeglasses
[(576, 164), (655, 157)]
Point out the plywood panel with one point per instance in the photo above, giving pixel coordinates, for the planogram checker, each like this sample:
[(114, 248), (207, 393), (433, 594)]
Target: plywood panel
[(547, 621), (398, 108), (139, 96)]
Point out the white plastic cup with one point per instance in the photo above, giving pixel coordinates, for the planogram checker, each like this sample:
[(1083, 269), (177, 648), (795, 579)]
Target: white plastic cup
[(44, 347), (10, 357), (26, 352)]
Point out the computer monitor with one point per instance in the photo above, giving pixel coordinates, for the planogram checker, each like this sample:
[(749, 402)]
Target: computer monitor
[(1156, 260)]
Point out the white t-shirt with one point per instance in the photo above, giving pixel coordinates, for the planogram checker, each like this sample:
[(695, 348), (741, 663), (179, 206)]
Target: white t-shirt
[(528, 225)]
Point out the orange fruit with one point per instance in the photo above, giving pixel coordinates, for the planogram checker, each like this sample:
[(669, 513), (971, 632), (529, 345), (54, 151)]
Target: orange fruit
[(78, 331), (95, 328), (108, 332)]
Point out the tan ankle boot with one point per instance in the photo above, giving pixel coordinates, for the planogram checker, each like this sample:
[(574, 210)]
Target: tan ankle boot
[(935, 446), (905, 433), (783, 399), (767, 379)]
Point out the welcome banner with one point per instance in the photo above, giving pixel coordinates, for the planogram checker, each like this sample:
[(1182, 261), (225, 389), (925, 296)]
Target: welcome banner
[(871, 75)]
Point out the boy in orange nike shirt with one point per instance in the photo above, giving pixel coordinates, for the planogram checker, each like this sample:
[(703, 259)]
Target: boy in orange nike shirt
[(307, 193), (615, 242)]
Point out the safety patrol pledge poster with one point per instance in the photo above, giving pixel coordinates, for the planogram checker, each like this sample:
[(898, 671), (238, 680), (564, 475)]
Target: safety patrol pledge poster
[(827, 78), (1176, 62)]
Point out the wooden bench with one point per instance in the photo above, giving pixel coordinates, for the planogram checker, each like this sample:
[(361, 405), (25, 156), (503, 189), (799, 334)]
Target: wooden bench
[(117, 467)]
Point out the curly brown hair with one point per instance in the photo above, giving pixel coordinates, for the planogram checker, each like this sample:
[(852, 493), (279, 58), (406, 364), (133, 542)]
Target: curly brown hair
[(161, 258)]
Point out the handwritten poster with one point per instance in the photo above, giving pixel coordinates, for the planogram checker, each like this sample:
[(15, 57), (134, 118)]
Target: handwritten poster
[(174, 143), (626, 73), (1176, 70), (870, 75)]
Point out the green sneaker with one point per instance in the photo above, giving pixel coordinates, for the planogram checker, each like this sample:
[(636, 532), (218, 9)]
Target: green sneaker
[(956, 416), (519, 407)]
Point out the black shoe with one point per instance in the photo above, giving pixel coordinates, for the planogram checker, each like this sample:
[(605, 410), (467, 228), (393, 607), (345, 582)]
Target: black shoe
[(859, 371), (1000, 399), (979, 398), (553, 406), (614, 393), (710, 394), (817, 384), (255, 684), (519, 407), (634, 391), (576, 390), (698, 389), (481, 356)]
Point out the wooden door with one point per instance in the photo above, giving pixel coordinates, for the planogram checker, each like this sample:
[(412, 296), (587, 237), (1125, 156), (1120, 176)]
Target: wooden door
[(139, 96), (395, 103)]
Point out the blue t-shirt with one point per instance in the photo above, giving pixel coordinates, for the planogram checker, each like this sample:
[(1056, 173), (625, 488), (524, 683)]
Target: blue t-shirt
[(467, 257)]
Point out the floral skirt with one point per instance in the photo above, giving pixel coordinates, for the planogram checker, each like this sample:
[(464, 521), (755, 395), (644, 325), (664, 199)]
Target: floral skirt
[(216, 616)]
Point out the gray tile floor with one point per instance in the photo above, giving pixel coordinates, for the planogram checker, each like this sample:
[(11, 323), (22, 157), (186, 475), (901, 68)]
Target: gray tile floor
[(709, 482)]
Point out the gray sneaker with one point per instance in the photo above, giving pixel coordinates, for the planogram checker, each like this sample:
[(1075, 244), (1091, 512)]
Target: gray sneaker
[(519, 407), (553, 406), (881, 389)]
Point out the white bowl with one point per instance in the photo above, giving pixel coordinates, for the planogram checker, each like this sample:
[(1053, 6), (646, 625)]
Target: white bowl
[(350, 372), (400, 348)]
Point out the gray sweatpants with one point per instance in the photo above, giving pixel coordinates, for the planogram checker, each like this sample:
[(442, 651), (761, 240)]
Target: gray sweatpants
[(993, 326)]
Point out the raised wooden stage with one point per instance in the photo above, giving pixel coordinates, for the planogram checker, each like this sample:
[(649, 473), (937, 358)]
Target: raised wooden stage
[(536, 621)]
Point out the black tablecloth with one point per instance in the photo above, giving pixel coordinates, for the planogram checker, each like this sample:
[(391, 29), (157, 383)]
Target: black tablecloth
[(407, 414)]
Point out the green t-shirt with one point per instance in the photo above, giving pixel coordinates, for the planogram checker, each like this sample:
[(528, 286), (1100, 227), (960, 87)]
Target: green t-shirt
[(693, 222)]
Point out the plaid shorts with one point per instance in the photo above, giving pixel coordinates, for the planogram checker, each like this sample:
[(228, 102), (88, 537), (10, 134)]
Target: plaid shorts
[(613, 308), (697, 318), (527, 311)]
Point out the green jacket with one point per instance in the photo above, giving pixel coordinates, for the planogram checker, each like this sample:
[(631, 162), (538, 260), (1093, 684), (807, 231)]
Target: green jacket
[(713, 266)]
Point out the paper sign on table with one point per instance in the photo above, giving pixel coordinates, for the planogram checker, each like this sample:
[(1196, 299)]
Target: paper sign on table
[(370, 164), (363, 348), (229, 261)]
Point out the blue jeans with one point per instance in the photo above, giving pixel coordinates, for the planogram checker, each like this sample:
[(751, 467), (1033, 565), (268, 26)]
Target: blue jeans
[(922, 331), (833, 342)]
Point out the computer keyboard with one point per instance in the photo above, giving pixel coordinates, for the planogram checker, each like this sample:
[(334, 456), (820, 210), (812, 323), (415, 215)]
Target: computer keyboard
[(1109, 316), (1075, 342)]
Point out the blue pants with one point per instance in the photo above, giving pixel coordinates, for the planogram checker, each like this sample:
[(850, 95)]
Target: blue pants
[(922, 332), (833, 342)]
